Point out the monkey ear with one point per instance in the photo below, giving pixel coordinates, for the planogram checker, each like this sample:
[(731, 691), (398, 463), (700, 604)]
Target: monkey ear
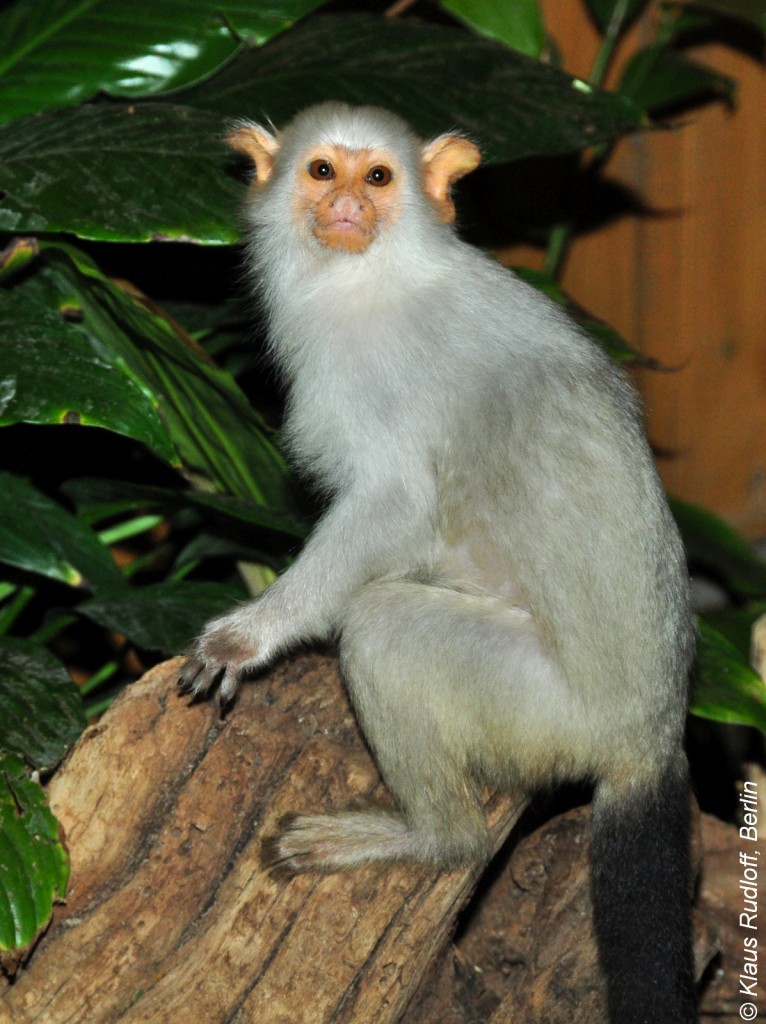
[(445, 161), (259, 145)]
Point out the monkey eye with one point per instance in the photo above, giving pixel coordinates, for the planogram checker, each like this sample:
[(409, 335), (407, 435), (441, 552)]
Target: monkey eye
[(321, 170), (379, 176)]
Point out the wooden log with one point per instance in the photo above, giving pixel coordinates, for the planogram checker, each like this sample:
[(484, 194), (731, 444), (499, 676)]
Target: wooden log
[(526, 951), (170, 915), (170, 912)]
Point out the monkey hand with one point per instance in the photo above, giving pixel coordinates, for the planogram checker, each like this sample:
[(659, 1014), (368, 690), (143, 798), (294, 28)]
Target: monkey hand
[(227, 648)]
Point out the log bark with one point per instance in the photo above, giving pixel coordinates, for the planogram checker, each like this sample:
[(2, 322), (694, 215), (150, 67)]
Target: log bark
[(170, 913)]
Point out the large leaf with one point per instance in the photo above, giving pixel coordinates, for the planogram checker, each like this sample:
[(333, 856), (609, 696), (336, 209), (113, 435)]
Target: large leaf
[(736, 624), (103, 497), (211, 428), (712, 545), (164, 616), (58, 53), (51, 373), (41, 712), (753, 11), (34, 866), (658, 78), (519, 25), (726, 688), (119, 172), (435, 77), (39, 536)]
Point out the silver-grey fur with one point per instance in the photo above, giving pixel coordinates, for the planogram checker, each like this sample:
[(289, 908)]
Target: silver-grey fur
[(497, 559)]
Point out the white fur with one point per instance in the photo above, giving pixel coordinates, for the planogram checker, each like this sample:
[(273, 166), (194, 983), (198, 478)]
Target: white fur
[(497, 559), (485, 464)]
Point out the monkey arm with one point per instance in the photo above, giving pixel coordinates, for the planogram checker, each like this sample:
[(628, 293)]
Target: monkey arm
[(363, 536)]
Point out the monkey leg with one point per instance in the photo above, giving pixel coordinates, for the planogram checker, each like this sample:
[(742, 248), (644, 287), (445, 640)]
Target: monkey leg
[(439, 680)]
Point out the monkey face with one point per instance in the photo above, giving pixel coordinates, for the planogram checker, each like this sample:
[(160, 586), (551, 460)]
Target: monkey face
[(345, 197), (347, 187)]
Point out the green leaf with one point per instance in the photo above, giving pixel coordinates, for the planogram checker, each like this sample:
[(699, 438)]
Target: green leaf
[(209, 425), (753, 11), (229, 549), (34, 866), (41, 712), (435, 77), (726, 688), (519, 25), (619, 12), (41, 317), (60, 53), (736, 625), (164, 616), (103, 497), (714, 546), (39, 536), (119, 173), (657, 78)]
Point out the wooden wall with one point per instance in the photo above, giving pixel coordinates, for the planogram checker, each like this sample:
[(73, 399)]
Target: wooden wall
[(688, 285)]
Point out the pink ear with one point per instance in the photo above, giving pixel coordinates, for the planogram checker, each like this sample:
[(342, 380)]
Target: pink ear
[(445, 161), (259, 145)]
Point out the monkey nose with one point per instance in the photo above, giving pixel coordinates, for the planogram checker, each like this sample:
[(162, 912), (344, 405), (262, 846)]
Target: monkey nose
[(347, 205)]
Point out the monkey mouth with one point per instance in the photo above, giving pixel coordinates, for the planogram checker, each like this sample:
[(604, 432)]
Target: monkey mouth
[(345, 224), (346, 233)]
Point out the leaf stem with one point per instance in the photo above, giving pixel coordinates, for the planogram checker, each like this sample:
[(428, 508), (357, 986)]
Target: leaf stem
[(101, 704), (611, 36), (105, 672), (15, 607), (560, 236), (399, 7), (52, 628), (558, 243), (128, 529)]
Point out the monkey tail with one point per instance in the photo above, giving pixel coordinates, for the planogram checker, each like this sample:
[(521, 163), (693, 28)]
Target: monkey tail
[(642, 901)]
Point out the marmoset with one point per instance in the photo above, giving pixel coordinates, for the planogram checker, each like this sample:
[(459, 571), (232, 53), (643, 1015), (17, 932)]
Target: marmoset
[(497, 560)]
